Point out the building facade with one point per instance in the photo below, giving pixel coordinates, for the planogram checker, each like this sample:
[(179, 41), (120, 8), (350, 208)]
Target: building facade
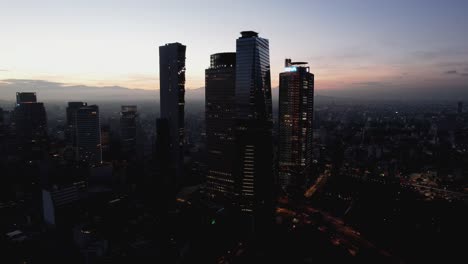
[(30, 127), (254, 152), (172, 100), (128, 130), (88, 135), (296, 109), (70, 132), (220, 124)]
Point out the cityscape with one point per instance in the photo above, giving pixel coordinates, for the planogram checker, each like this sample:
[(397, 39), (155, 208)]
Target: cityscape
[(255, 166)]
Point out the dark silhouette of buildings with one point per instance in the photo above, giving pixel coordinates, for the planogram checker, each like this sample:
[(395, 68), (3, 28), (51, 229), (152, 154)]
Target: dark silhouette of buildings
[(128, 131), (460, 107), (254, 157), (296, 109), (172, 89), (30, 127), (220, 122), (88, 135)]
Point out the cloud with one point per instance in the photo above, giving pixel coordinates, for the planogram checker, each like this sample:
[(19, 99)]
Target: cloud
[(347, 54), (464, 74), (442, 54), (426, 55), (451, 72), (373, 83)]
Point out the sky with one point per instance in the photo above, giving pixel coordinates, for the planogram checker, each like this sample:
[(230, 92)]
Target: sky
[(352, 46)]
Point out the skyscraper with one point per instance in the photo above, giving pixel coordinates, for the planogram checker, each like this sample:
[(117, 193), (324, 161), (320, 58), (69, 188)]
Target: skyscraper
[(128, 130), (172, 89), (254, 157), (88, 135), (296, 108), (70, 132), (164, 181), (220, 123), (3, 131), (460, 107), (30, 127), (26, 97)]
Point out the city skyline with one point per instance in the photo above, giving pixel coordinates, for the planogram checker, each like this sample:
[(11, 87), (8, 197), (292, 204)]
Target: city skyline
[(350, 46), (253, 165)]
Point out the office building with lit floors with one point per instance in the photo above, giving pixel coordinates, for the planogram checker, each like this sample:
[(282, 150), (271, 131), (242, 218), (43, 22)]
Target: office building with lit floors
[(88, 135), (254, 152), (296, 109), (220, 123), (128, 130), (30, 127), (172, 101)]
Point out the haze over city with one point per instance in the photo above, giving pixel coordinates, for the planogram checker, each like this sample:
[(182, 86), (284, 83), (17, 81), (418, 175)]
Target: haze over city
[(375, 49)]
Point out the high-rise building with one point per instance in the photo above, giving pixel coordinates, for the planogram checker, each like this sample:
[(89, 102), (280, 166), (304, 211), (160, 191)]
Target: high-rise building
[(460, 107), (88, 135), (128, 130), (27, 97), (70, 132), (2, 136), (220, 124), (296, 109), (30, 127), (254, 157), (172, 89), (164, 181)]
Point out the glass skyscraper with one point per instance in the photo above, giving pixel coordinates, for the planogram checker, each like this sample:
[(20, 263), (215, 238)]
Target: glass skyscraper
[(88, 135), (172, 99), (254, 157), (220, 123), (70, 132), (30, 127), (296, 109), (128, 130)]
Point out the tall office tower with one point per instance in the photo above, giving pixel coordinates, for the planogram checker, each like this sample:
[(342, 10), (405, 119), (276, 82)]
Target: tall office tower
[(30, 127), (172, 89), (88, 135), (128, 130), (27, 97), (296, 109), (2, 136), (164, 182), (254, 125), (220, 122), (460, 107), (70, 132), (107, 154)]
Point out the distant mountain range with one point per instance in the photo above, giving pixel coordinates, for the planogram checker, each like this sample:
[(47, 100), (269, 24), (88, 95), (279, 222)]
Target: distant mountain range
[(60, 92), (52, 91)]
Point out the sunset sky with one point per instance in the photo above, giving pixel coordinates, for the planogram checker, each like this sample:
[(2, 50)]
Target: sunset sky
[(349, 44)]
